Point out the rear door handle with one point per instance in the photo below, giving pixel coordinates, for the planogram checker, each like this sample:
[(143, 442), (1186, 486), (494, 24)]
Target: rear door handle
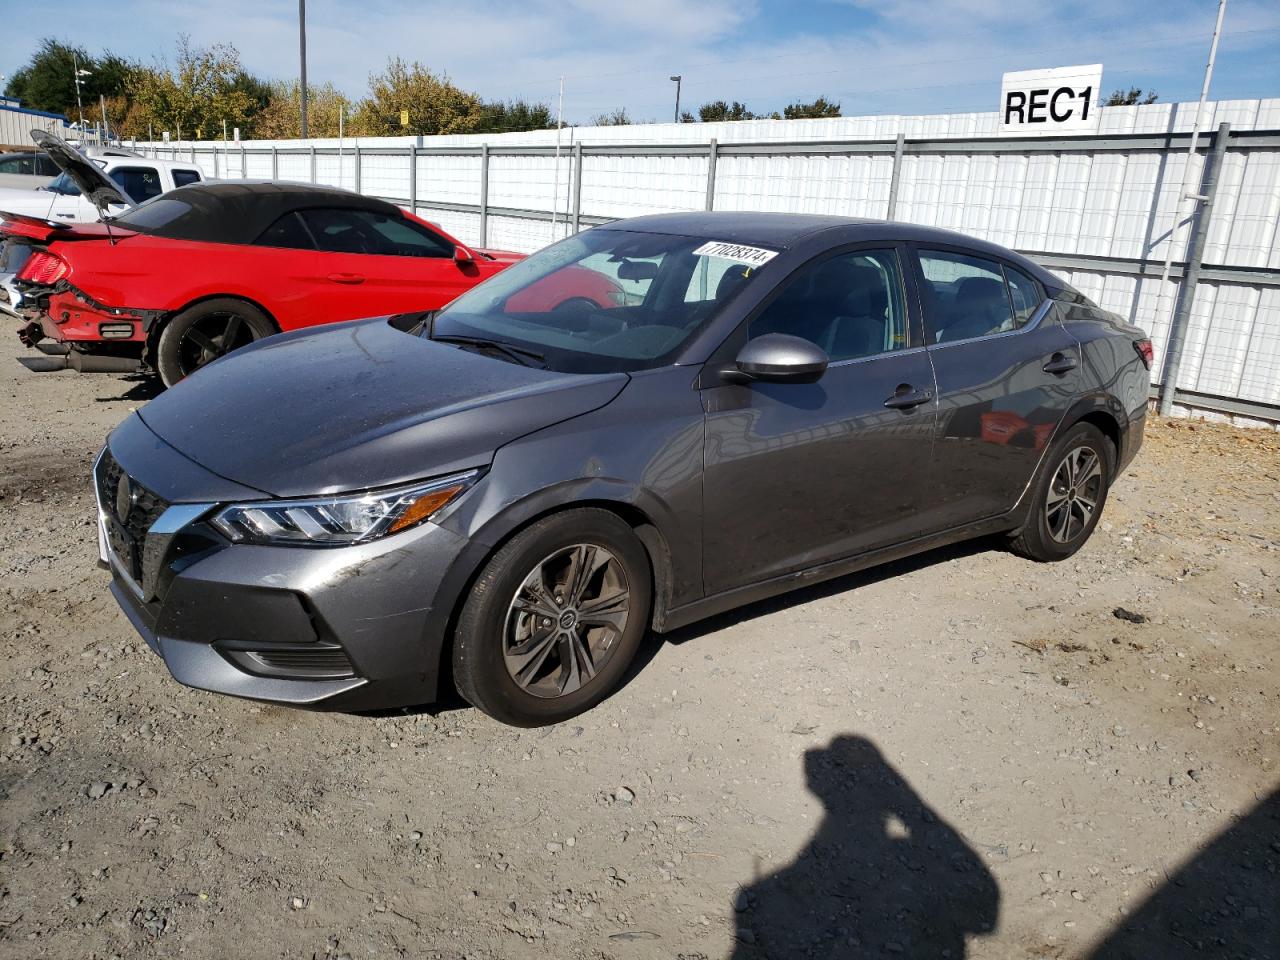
[(346, 278), (907, 397), (1060, 363)]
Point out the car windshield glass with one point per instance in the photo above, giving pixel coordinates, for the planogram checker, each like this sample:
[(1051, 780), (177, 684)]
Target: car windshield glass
[(604, 300), (65, 185)]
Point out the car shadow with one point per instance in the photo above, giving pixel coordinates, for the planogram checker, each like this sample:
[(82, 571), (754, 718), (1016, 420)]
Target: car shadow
[(883, 875), (829, 588), (1224, 902), (144, 388), (653, 643)]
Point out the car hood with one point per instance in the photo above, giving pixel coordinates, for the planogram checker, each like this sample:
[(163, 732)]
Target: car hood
[(94, 184), (357, 405)]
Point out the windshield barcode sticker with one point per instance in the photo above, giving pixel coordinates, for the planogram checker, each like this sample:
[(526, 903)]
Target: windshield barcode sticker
[(755, 256)]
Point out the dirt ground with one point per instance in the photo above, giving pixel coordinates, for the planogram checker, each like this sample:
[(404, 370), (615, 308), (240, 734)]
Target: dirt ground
[(965, 754)]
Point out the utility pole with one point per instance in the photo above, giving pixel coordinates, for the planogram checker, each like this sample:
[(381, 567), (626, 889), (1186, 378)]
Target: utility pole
[(1185, 195), (676, 79), (302, 56), (75, 63)]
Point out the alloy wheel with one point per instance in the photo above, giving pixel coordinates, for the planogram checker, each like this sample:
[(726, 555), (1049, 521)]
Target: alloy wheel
[(566, 620), (1073, 494), (211, 337)]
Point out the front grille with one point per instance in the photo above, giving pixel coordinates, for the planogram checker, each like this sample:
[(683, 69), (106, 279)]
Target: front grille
[(130, 510)]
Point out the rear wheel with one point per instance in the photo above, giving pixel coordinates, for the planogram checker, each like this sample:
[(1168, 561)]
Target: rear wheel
[(554, 619), (203, 333), (1069, 495)]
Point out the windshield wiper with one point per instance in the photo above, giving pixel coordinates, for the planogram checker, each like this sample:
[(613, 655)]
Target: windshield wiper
[(515, 354)]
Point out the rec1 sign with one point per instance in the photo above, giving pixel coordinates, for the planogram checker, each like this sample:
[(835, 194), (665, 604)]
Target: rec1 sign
[(1040, 103)]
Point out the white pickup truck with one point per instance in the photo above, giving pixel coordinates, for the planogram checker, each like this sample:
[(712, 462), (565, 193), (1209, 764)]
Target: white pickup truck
[(141, 178), (93, 183)]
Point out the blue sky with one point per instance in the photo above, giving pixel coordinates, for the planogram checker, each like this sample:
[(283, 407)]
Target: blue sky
[(889, 56)]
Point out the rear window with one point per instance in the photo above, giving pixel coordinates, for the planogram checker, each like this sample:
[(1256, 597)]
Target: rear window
[(163, 211), (183, 177)]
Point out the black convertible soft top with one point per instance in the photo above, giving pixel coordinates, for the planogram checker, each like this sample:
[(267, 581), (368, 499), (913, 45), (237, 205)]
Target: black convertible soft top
[(237, 212)]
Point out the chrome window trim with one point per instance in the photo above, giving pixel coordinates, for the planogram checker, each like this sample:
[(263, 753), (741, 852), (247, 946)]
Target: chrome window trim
[(1045, 305)]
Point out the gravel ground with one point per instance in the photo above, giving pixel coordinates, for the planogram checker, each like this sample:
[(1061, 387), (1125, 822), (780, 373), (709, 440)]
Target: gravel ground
[(962, 754)]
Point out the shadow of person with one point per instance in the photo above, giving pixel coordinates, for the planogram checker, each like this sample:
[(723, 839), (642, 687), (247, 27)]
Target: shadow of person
[(883, 876), (1224, 902)]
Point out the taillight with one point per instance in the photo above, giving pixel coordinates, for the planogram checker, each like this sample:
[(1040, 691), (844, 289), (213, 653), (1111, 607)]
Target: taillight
[(43, 268), (1143, 348)]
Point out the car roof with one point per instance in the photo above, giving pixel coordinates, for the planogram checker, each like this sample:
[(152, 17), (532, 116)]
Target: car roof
[(782, 230), (240, 211)]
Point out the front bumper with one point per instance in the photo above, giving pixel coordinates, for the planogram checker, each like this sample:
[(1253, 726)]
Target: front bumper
[(351, 628)]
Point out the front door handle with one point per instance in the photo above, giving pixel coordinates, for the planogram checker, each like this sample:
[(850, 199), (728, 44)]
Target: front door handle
[(346, 278), (907, 397), (1060, 363)]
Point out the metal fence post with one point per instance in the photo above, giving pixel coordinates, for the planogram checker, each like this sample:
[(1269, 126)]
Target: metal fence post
[(313, 163), (896, 178), (1191, 272), (358, 177), (413, 179), (577, 187), (215, 162), (713, 152), (484, 194), (244, 163), (275, 162)]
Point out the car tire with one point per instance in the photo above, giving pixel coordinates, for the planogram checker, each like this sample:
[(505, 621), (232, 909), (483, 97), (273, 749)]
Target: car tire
[(206, 331), (1076, 473), (531, 648)]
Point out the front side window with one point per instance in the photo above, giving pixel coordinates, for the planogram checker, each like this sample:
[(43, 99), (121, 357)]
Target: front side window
[(967, 295), (602, 300), (182, 178), (370, 231), (850, 305), (140, 183)]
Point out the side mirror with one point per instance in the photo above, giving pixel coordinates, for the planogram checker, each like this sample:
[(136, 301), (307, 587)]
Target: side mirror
[(462, 255), (780, 358)]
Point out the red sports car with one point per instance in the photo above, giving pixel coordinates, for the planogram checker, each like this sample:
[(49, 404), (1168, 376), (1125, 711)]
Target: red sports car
[(190, 275)]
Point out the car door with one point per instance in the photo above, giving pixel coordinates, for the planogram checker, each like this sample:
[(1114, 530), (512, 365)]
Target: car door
[(796, 474), (1007, 371), (373, 263)]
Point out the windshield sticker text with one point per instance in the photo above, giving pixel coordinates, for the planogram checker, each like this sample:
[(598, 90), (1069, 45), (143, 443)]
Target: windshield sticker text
[(755, 256)]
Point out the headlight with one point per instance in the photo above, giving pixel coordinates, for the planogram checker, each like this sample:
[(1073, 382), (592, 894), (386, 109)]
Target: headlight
[(340, 520)]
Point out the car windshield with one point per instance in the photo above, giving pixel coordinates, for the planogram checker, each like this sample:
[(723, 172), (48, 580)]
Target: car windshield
[(604, 300), (63, 184)]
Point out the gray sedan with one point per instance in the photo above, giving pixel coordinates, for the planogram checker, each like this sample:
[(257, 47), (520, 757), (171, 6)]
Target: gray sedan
[(506, 496)]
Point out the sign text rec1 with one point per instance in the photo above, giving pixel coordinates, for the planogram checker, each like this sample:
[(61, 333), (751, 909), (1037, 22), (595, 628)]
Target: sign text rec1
[(1050, 102)]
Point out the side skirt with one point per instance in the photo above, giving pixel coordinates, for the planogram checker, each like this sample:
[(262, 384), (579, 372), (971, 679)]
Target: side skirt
[(741, 596)]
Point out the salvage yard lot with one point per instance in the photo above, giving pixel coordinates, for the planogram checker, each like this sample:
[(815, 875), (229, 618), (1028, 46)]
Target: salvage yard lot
[(961, 745)]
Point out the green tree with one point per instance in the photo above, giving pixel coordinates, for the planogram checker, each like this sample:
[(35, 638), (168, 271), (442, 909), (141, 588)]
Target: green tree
[(717, 111), (48, 80), (281, 118), (1131, 97), (205, 88), (506, 116), (434, 104), (817, 110), (615, 118)]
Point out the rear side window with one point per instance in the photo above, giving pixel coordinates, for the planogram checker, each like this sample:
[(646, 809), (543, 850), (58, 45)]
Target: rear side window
[(288, 231), (140, 183), (967, 296), (369, 231), (1025, 293), (183, 177)]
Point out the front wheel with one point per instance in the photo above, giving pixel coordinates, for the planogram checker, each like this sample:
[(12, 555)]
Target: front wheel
[(204, 332), (1069, 495), (554, 619)]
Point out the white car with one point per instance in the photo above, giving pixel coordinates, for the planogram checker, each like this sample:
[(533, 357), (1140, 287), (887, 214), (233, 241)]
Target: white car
[(118, 180), (141, 178)]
